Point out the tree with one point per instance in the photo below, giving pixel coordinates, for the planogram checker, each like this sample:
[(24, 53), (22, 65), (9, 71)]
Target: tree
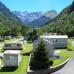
[(29, 36), (40, 59), (32, 35), (35, 34)]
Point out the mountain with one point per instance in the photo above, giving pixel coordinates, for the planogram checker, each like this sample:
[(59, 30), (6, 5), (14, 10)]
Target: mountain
[(10, 24), (63, 23), (47, 16), (35, 19), (4, 11), (27, 17)]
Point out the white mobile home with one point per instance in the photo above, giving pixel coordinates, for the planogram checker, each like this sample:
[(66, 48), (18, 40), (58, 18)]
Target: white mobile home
[(48, 45), (59, 41), (13, 46), (12, 58)]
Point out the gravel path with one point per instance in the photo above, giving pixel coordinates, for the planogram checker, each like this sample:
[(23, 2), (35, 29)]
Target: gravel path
[(67, 69)]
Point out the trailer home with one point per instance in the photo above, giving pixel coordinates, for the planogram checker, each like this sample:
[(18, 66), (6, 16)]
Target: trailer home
[(13, 46), (48, 45), (12, 58), (59, 41)]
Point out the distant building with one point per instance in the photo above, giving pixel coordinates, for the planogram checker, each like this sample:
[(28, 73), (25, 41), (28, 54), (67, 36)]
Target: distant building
[(59, 41), (48, 45), (13, 46), (12, 58)]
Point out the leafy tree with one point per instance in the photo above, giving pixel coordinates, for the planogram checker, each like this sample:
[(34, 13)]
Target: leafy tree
[(35, 34), (40, 59), (29, 36), (32, 35)]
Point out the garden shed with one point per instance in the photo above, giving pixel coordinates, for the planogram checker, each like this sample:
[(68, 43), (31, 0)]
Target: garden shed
[(59, 41), (48, 45), (12, 58)]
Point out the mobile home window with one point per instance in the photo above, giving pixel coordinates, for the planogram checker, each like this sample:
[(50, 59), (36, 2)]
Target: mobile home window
[(7, 57), (56, 40), (7, 45), (12, 57), (18, 45)]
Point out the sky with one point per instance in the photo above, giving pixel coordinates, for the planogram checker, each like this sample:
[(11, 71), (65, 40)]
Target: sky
[(36, 5)]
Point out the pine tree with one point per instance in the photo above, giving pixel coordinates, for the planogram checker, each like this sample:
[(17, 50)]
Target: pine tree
[(40, 59)]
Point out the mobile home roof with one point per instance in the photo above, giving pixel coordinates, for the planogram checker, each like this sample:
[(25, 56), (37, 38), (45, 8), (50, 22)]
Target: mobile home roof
[(13, 43), (12, 52), (54, 36)]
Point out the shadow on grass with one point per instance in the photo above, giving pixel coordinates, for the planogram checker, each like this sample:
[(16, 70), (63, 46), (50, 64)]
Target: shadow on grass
[(8, 69), (29, 41), (26, 54)]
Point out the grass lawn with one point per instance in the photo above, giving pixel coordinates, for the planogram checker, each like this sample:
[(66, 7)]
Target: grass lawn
[(22, 69), (70, 44), (28, 47), (65, 54), (10, 40), (13, 39)]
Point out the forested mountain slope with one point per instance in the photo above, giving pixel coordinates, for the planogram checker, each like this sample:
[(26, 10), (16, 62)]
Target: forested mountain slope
[(63, 23)]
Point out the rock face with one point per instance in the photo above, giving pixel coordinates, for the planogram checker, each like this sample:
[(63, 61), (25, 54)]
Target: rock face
[(35, 19)]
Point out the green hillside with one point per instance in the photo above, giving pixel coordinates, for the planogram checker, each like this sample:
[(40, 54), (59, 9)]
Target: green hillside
[(63, 23), (9, 23)]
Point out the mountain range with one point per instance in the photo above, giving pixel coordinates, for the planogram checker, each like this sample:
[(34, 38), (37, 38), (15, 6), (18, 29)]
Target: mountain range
[(35, 19)]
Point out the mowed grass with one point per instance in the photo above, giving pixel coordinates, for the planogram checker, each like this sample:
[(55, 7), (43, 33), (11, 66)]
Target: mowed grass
[(70, 44), (65, 53), (64, 56), (10, 40), (28, 47), (22, 69)]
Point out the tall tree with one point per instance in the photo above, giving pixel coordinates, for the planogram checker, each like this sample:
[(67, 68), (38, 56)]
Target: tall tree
[(40, 59)]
